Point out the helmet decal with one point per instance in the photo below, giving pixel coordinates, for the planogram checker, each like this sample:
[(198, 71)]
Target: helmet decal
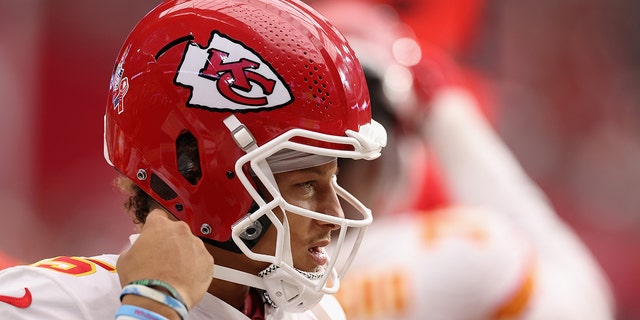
[(226, 75), (119, 86)]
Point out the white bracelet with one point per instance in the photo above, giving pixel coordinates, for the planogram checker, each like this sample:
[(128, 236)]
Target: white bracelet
[(153, 294)]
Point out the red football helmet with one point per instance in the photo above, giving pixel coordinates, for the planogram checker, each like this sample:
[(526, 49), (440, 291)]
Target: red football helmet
[(237, 81)]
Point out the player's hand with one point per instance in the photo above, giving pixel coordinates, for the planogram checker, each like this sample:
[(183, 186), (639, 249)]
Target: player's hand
[(168, 251)]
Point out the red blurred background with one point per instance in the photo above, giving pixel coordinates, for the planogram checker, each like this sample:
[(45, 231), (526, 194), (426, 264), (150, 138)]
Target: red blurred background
[(564, 75)]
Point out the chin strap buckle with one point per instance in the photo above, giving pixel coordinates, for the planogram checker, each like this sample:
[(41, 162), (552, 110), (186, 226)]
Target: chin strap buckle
[(241, 135)]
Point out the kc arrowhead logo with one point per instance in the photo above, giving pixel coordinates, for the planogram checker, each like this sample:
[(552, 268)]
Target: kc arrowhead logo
[(228, 75)]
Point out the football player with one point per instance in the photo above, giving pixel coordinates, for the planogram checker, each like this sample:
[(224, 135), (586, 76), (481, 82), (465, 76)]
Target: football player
[(225, 120)]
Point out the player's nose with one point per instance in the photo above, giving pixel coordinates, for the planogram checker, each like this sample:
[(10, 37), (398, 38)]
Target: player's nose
[(329, 204)]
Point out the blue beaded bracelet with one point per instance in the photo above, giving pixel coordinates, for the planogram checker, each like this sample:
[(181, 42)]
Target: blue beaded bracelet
[(128, 312), (159, 296), (159, 283)]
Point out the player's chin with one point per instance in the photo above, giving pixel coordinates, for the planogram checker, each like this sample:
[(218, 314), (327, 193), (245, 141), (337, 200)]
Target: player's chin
[(311, 263), (313, 269), (307, 267)]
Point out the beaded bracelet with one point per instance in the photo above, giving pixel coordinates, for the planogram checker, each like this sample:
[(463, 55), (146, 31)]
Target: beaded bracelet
[(129, 312), (153, 294), (159, 283)]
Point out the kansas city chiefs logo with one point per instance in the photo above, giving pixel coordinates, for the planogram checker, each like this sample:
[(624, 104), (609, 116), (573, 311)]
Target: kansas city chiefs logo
[(227, 75)]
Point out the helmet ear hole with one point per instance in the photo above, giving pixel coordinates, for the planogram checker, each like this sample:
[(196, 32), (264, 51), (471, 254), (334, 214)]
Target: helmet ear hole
[(188, 157)]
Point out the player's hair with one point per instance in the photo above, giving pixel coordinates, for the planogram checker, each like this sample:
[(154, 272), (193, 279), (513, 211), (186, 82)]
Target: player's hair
[(138, 202)]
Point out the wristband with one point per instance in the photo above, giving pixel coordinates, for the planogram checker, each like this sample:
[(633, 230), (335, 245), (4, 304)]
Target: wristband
[(153, 294), (159, 283), (129, 312)]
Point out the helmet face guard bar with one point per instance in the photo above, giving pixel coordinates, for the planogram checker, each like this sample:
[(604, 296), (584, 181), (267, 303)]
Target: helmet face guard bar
[(366, 144), (282, 257)]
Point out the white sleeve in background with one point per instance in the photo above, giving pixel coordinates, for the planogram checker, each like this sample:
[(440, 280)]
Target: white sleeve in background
[(480, 171)]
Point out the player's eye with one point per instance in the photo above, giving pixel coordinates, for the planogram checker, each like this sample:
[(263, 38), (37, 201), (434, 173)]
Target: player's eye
[(307, 185)]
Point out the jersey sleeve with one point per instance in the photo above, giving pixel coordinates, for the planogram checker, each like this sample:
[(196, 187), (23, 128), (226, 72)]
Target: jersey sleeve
[(61, 288)]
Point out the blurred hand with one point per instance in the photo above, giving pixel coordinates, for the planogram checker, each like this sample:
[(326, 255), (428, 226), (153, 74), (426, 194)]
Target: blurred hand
[(168, 251)]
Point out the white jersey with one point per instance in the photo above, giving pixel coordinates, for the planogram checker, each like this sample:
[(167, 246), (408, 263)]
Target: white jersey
[(70, 288), (458, 263), (463, 264)]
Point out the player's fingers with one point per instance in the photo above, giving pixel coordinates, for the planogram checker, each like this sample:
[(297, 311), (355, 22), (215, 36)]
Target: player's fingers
[(156, 216)]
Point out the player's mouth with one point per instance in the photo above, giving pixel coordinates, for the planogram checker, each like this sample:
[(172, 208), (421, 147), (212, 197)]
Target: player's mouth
[(319, 254)]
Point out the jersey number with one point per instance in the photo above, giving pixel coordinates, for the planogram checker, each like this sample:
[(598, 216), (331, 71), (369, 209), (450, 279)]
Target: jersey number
[(74, 266)]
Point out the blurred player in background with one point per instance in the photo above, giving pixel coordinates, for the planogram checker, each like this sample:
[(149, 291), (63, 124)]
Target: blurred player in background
[(460, 231)]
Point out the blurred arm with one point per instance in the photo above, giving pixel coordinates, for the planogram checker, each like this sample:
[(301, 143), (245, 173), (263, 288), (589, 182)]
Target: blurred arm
[(481, 171)]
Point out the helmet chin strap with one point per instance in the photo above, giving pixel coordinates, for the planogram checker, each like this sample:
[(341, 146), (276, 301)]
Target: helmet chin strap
[(282, 284), (237, 276), (281, 289), (247, 279)]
